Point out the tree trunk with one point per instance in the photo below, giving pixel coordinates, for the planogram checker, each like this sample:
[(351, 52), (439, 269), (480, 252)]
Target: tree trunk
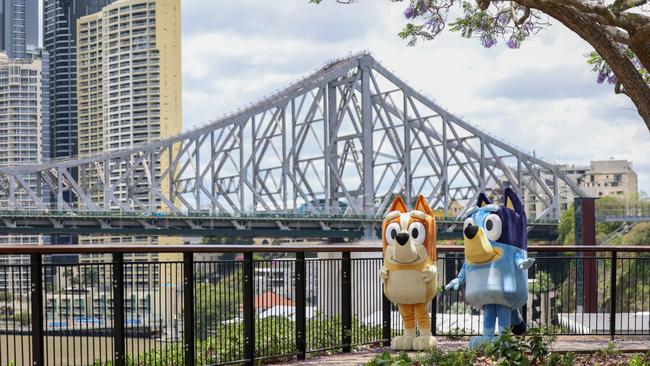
[(641, 49), (635, 87)]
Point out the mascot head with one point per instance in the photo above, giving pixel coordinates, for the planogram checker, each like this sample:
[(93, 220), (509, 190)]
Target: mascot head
[(488, 224), (409, 237)]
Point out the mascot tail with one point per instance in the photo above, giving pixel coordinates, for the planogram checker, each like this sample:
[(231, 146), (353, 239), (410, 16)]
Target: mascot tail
[(518, 323)]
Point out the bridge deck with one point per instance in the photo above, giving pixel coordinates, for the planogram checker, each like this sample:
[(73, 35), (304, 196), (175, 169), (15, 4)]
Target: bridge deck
[(243, 225)]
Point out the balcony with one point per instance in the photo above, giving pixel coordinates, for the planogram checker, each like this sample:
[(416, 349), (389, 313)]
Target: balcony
[(276, 302)]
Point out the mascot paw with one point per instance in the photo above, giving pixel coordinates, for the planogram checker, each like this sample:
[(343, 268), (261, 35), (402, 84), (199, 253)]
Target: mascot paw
[(424, 342), (402, 343), (383, 273), (479, 341)]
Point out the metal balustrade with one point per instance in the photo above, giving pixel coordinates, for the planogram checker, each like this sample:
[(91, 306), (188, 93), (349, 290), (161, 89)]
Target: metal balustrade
[(136, 305)]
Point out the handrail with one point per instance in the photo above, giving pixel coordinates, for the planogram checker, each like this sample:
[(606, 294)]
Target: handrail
[(284, 248)]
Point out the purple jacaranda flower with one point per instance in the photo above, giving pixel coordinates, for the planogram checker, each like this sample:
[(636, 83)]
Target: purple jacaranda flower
[(487, 40), (409, 13), (512, 43), (601, 77), (503, 18), (432, 23), (611, 79)]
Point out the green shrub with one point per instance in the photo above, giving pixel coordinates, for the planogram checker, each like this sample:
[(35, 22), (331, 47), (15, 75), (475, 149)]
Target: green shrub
[(274, 336), (539, 341), (456, 334), (508, 350), (543, 283), (609, 350), (387, 359), (561, 359), (459, 357), (637, 360)]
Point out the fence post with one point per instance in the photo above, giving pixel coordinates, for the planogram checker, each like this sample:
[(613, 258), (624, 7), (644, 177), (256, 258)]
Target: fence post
[(612, 296), (36, 279), (346, 301), (118, 309), (586, 273), (301, 304), (249, 310), (386, 321), (434, 315), (188, 307)]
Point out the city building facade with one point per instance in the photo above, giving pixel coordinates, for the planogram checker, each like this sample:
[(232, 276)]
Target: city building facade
[(59, 40), (609, 178), (601, 178), (129, 79), (129, 92), (18, 27), (23, 128)]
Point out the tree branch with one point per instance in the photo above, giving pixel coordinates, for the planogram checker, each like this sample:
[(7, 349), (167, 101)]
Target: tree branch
[(618, 88), (617, 34), (523, 18), (483, 4)]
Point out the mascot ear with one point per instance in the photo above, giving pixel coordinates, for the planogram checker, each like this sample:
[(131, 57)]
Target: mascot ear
[(512, 201), (422, 205), (483, 200), (398, 205)]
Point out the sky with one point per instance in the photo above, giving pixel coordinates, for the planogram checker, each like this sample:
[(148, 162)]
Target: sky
[(543, 97)]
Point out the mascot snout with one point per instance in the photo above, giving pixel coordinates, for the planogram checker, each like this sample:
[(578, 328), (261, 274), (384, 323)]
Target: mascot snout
[(405, 252)]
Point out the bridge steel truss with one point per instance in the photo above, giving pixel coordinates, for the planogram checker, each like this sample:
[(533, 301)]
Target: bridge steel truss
[(342, 140)]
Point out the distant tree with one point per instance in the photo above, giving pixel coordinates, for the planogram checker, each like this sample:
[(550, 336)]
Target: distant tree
[(618, 30), (638, 235), (566, 228), (23, 318), (6, 296)]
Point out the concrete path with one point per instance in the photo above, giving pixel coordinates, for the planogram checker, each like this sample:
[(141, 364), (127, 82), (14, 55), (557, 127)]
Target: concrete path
[(563, 344)]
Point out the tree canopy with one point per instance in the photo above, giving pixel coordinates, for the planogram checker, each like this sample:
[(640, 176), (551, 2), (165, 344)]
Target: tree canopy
[(618, 30)]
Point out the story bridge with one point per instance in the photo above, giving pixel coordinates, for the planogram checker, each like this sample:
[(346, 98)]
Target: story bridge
[(326, 154)]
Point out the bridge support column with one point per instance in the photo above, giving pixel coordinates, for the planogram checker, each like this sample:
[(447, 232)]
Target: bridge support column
[(367, 143), (585, 234)]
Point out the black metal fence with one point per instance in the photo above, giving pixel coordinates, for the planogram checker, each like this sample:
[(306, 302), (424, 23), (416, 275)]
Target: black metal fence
[(137, 305)]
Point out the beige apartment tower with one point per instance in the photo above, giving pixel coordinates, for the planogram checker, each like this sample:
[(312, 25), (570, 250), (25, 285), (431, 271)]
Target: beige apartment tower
[(21, 126), (129, 74), (129, 86)]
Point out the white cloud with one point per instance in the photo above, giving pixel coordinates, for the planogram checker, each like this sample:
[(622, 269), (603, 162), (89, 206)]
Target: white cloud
[(542, 97)]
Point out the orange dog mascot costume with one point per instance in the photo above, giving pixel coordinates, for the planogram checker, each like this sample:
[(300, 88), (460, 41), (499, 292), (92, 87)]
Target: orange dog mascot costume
[(409, 270)]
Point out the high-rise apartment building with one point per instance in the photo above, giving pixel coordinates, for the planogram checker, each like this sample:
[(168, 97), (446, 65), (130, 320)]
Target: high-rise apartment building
[(129, 76), (21, 118), (60, 40), (23, 122), (18, 27)]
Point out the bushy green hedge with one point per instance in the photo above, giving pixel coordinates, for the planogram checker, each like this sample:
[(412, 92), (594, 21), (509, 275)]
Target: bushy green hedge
[(274, 337)]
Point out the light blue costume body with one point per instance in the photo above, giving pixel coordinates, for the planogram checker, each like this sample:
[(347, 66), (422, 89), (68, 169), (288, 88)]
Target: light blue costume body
[(499, 286)]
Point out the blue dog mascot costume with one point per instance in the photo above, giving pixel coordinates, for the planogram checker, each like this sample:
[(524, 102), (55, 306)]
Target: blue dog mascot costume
[(495, 272)]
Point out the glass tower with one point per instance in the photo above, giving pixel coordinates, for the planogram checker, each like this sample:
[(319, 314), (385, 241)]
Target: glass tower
[(59, 39), (18, 27)]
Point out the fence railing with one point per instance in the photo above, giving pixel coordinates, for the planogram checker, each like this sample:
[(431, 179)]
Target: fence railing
[(119, 305)]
